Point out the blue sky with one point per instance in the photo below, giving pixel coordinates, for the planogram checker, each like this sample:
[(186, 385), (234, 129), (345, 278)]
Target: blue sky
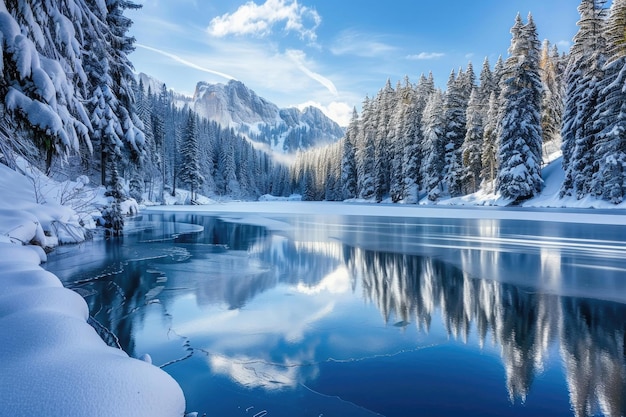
[(330, 53)]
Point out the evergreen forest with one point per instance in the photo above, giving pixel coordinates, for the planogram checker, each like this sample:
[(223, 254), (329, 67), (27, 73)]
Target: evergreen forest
[(72, 105), (491, 130)]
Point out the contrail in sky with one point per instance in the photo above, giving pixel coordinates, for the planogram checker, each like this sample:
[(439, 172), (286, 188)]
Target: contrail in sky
[(298, 58), (185, 62)]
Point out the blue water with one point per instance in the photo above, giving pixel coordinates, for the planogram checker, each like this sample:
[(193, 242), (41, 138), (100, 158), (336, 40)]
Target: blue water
[(362, 316)]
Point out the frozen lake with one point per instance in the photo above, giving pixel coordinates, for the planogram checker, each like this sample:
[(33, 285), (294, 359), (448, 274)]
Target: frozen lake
[(331, 314)]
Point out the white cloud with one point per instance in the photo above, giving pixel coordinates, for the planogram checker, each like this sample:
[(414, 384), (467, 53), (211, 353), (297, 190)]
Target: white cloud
[(425, 56), (298, 58), (339, 111), (564, 46), (185, 62), (351, 42), (254, 19)]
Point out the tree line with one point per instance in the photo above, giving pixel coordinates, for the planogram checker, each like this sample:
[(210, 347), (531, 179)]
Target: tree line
[(494, 134)]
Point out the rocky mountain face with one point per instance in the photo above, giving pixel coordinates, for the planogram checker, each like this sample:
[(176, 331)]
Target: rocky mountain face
[(284, 130)]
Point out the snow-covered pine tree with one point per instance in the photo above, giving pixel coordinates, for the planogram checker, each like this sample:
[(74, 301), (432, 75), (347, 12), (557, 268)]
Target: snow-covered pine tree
[(487, 86), (583, 75), (308, 186), (498, 73), (552, 103), (433, 131), (455, 116), (190, 165), (365, 151), (473, 145), (384, 110), (609, 176), (226, 169), (149, 165), (107, 131), (413, 137), (41, 64), (112, 215), (519, 132), (398, 139), (348, 159), (119, 46), (489, 157)]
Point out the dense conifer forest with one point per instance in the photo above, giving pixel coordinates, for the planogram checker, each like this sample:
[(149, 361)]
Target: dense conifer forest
[(72, 105), (492, 131)]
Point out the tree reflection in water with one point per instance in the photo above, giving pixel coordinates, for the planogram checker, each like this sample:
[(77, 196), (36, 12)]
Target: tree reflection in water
[(231, 264)]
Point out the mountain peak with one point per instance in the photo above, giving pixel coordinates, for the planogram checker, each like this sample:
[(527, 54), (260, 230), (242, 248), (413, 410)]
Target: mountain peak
[(286, 130)]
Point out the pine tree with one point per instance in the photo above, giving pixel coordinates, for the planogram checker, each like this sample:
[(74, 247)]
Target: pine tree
[(489, 157), (434, 146), (159, 107), (107, 131), (609, 176), (487, 86), (400, 139), (113, 216), (190, 166), (583, 75), (41, 75), (519, 133), (473, 145), (413, 139), (365, 151), (552, 103), (226, 178), (348, 161), (384, 111), (456, 100)]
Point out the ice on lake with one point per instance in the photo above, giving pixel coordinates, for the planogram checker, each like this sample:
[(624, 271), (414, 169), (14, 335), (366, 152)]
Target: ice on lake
[(364, 315)]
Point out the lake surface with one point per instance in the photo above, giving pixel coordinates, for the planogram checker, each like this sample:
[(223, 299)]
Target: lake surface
[(362, 316)]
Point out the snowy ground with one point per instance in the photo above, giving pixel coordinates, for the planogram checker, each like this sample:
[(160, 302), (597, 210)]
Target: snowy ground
[(54, 361)]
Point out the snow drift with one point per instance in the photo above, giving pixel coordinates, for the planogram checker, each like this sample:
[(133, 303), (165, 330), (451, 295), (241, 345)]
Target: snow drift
[(55, 364)]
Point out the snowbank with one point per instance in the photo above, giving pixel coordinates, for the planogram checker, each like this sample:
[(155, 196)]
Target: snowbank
[(553, 176), (36, 209), (55, 364)]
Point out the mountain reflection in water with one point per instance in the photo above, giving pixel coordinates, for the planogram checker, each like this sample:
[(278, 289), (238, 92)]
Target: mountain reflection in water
[(280, 311)]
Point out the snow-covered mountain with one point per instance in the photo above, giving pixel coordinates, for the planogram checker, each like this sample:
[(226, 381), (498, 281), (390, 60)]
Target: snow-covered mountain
[(236, 106), (286, 130)]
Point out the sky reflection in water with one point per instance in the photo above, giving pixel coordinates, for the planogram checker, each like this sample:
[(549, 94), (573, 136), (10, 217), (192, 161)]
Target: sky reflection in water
[(364, 316)]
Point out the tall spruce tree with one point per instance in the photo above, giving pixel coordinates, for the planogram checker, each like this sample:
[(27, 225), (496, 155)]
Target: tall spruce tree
[(609, 176), (583, 75), (348, 159), (455, 106), (190, 167), (519, 133), (42, 79), (489, 156), (552, 103), (434, 146), (366, 151), (473, 145)]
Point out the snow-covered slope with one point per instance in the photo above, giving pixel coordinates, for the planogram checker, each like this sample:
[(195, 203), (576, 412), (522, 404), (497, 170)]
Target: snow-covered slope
[(235, 105), (552, 175)]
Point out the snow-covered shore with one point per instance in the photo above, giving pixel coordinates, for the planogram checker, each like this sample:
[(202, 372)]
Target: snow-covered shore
[(53, 362)]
